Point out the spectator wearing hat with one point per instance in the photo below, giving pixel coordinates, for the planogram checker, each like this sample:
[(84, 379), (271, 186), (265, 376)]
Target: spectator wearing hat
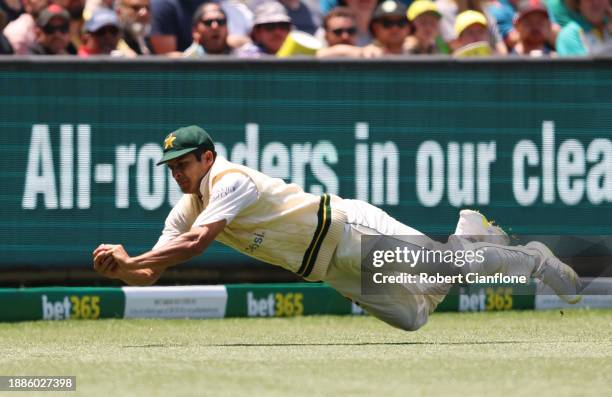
[(101, 35), (76, 10), (593, 37), (209, 32), (340, 27), (534, 30), (471, 27), (135, 25), (425, 19), (450, 9), (270, 29), (53, 32), (390, 27), (21, 32), (171, 23), (505, 13)]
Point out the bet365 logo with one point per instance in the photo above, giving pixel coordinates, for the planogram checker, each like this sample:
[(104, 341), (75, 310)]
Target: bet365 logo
[(71, 307), (275, 305), (489, 299)]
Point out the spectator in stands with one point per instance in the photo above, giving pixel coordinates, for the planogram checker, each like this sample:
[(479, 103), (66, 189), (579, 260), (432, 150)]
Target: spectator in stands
[(102, 33), (209, 32), (562, 12), (363, 10), (21, 32), (471, 27), (390, 27), (594, 37), (92, 5), (171, 23), (301, 16), (271, 27), (53, 32), (534, 30), (505, 13), (135, 24), (75, 9), (5, 46), (450, 9), (425, 19), (3, 19), (340, 27), (11, 9)]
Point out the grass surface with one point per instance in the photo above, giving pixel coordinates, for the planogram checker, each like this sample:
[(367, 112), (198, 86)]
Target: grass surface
[(479, 354)]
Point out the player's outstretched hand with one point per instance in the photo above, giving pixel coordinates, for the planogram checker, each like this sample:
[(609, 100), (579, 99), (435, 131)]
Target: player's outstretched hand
[(104, 262), (121, 257)]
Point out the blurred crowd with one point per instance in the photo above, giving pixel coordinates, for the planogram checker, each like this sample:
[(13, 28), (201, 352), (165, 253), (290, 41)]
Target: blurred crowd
[(321, 28)]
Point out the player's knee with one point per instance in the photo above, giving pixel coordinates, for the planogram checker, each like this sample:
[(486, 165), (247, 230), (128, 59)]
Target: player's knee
[(412, 323)]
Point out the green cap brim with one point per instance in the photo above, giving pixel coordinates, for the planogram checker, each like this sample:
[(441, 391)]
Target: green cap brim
[(172, 154)]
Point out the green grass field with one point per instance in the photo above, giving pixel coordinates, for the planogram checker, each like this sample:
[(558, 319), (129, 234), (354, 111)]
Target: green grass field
[(480, 354)]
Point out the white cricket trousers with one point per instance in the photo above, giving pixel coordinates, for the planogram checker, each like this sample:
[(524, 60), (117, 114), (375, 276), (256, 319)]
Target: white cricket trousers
[(405, 306)]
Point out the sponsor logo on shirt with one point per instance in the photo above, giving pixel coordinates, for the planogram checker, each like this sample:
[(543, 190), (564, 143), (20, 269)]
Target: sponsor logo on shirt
[(257, 241), (224, 192)]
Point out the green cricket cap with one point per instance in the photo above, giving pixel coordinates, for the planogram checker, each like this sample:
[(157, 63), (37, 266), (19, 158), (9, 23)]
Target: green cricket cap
[(185, 140)]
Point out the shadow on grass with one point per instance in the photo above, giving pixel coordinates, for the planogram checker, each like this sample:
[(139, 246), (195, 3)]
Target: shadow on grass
[(343, 344)]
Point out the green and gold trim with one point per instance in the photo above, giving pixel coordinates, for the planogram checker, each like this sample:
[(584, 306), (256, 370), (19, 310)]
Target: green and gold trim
[(324, 221)]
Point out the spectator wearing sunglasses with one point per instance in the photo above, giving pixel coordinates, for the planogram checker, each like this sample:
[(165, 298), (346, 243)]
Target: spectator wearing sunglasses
[(270, 29), (340, 27), (77, 19), (209, 30), (53, 32), (341, 31), (390, 27), (101, 35), (171, 23)]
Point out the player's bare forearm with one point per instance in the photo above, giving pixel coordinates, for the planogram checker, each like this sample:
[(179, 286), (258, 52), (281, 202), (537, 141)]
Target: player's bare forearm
[(178, 250), (140, 277)]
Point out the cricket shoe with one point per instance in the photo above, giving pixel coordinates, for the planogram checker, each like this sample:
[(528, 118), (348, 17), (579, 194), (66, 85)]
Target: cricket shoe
[(475, 227), (556, 274)]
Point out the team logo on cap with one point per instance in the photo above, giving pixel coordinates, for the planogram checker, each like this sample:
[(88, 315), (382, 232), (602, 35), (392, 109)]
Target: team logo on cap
[(389, 6), (169, 141)]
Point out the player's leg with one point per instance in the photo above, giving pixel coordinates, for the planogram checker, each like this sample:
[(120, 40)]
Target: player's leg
[(532, 260), (401, 306), (406, 306), (540, 262)]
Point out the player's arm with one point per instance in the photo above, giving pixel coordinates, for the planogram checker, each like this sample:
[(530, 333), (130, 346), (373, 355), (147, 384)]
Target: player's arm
[(113, 261), (229, 196), (176, 251), (106, 266)]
